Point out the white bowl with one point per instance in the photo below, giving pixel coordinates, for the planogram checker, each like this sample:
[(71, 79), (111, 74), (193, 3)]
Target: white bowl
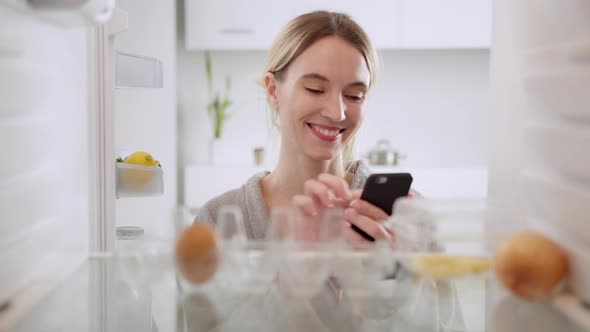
[(562, 147), (563, 93), (563, 203), (24, 144), (578, 254)]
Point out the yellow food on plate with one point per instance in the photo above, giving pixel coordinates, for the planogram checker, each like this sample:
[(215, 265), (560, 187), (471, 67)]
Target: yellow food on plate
[(440, 266), (141, 158), (198, 253), (530, 265), (137, 179)]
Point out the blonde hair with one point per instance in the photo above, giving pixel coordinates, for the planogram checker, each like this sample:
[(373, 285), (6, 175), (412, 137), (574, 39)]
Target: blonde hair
[(303, 31)]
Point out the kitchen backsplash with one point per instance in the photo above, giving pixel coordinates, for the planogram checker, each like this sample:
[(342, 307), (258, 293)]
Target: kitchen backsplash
[(431, 104)]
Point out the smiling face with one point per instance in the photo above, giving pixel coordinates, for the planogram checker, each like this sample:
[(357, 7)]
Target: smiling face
[(319, 99)]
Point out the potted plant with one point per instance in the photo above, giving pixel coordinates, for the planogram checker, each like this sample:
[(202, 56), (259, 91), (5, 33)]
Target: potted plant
[(217, 106)]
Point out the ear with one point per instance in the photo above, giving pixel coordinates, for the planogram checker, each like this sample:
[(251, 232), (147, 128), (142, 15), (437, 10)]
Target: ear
[(271, 86)]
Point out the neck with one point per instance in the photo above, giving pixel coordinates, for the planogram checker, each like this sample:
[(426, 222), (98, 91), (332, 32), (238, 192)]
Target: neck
[(292, 170)]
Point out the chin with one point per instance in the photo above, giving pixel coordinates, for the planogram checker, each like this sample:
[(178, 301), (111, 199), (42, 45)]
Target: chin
[(323, 155)]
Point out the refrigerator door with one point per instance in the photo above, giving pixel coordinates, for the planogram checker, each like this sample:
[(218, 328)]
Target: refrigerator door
[(43, 143), (538, 75)]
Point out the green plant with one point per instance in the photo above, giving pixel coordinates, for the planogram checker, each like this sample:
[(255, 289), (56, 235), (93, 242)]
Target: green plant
[(218, 106)]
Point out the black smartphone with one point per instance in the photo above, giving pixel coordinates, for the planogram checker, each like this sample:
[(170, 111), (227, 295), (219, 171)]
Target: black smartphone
[(382, 190)]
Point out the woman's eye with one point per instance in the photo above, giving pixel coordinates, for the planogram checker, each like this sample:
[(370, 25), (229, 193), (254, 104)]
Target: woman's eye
[(314, 91), (355, 98)]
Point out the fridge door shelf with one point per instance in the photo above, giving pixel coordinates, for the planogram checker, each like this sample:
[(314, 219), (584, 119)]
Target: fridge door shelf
[(574, 309), (558, 201), (562, 93), (558, 56), (138, 181), (137, 71), (576, 252), (560, 147)]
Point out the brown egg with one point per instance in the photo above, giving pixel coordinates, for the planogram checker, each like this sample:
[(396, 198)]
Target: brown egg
[(530, 265), (198, 253)]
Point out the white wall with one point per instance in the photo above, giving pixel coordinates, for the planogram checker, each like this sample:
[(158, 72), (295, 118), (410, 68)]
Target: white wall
[(146, 118), (431, 104)]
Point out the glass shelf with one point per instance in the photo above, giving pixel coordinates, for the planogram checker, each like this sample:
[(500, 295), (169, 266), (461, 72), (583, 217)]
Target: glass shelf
[(113, 294), (136, 71)]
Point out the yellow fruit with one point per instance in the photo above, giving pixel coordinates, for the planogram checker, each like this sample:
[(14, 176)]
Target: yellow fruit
[(141, 158), (530, 265), (197, 253), (441, 266), (137, 179)]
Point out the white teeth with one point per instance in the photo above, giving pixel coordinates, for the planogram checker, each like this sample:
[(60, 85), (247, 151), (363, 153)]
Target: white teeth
[(326, 132)]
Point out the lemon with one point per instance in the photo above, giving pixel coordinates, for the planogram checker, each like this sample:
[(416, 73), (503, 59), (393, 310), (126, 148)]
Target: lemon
[(141, 158)]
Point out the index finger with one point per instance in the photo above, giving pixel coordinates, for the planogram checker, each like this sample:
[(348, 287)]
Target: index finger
[(368, 209), (337, 184)]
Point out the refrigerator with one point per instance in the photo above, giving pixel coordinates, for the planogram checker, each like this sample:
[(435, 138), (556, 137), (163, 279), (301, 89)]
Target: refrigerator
[(70, 77), (72, 73)]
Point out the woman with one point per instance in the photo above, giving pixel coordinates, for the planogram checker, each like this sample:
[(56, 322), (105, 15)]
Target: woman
[(320, 70), (318, 76)]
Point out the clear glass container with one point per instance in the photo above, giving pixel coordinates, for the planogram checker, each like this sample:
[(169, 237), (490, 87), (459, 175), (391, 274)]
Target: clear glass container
[(449, 225), (133, 300), (138, 181)]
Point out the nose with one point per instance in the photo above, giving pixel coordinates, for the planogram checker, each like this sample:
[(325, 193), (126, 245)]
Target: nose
[(335, 109)]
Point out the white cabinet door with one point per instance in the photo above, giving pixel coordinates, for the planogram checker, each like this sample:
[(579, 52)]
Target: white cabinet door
[(446, 24), (233, 24), (393, 24), (377, 17)]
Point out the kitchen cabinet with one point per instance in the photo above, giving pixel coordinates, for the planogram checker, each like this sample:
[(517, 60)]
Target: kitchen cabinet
[(381, 25), (398, 24), (445, 24), (233, 24)]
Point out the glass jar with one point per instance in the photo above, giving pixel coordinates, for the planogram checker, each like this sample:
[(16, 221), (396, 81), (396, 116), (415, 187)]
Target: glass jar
[(133, 300), (449, 225)]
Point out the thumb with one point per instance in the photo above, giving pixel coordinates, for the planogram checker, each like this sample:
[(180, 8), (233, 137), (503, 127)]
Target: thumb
[(356, 194)]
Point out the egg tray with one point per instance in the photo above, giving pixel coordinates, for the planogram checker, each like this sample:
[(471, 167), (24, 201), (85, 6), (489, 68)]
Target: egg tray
[(285, 284), (306, 268)]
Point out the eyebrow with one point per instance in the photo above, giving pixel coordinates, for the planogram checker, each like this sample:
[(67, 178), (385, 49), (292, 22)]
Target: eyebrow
[(325, 79)]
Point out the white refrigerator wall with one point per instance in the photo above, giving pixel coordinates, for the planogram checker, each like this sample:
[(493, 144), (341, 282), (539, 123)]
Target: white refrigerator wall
[(44, 149), (146, 118)]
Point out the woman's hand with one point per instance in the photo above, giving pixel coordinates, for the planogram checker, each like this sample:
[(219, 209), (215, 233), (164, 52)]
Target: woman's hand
[(368, 218), (326, 191), (329, 191)]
